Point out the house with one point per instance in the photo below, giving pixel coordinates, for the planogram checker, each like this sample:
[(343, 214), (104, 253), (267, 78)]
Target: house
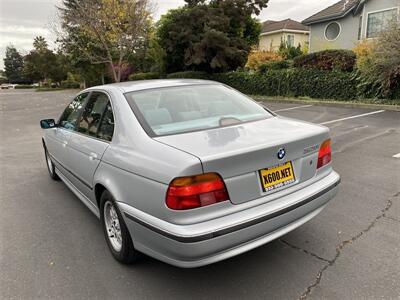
[(343, 24), (287, 31)]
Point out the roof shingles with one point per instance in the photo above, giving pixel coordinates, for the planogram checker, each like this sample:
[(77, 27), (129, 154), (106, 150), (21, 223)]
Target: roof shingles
[(337, 10), (288, 24)]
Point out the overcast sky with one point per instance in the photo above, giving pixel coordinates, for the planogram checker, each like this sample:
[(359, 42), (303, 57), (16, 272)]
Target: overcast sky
[(22, 20)]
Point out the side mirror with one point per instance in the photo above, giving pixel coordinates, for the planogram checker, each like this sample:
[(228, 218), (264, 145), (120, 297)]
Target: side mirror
[(48, 123)]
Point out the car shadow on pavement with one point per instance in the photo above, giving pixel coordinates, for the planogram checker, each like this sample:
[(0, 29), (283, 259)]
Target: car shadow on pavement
[(259, 273)]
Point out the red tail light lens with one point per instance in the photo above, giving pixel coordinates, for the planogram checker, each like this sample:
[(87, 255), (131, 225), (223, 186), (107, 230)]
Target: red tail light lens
[(325, 154), (196, 191)]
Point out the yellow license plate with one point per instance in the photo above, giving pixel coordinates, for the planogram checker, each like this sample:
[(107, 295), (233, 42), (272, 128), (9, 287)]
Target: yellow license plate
[(276, 177)]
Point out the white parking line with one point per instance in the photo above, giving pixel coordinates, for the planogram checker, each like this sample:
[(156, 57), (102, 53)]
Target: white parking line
[(353, 117), (292, 108), (397, 155)]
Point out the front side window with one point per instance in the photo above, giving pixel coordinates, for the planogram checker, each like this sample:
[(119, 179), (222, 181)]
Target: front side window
[(182, 109), (379, 21), (92, 114), (71, 113)]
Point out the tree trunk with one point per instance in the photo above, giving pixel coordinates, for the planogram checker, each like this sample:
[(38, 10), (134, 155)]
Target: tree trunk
[(119, 73), (114, 72)]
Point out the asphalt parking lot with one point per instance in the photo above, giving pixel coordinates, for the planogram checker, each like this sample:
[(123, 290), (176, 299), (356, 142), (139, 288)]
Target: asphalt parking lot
[(52, 246)]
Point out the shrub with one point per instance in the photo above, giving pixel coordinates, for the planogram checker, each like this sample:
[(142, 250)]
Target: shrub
[(189, 74), (378, 64), (258, 58), (328, 60), (24, 86), (275, 65), (144, 76), (363, 51), (289, 52), (70, 84)]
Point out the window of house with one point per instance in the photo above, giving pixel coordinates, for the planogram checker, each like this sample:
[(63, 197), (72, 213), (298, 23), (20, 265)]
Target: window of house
[(332, 31), (378, 21), (290, 40), (360, 27)]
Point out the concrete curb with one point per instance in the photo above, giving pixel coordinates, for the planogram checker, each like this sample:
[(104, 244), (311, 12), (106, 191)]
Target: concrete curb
[(331, 103)]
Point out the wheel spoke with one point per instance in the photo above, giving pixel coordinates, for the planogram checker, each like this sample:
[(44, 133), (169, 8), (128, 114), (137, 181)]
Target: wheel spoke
[(112, 224)]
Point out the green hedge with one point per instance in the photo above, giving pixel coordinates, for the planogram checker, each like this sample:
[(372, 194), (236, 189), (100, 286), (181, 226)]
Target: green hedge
[(328, 60), (275, 65), (24, 86), (190, 74), (288, 82), (70, 84), (144, 76)]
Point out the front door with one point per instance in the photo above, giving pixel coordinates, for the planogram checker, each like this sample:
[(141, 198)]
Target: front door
[(90, 140), (58, 138)]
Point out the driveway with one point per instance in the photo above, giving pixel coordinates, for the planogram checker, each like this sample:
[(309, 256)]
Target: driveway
[(52, 246)]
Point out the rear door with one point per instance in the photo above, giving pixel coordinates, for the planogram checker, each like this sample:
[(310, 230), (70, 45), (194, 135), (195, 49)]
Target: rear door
[(57, 139), (90, 140)]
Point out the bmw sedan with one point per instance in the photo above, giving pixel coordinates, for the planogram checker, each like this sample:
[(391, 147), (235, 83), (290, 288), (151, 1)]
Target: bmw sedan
[(189, 172)]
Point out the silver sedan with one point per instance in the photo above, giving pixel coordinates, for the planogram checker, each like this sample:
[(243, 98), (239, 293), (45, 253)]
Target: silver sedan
[(189, 172)]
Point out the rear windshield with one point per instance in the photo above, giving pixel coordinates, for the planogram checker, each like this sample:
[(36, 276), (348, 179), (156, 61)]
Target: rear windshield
[(176, 110)]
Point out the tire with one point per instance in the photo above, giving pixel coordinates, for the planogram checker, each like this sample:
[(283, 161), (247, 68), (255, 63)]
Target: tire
[(119, 241), (50, 165)]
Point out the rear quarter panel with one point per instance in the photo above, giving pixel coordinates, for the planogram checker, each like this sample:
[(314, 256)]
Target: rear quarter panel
[(137, 169), (141, 179)]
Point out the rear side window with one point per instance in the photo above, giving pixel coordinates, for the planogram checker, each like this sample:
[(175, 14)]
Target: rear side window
[(106, 129), (92, 113), (182, 109), (71, 113)]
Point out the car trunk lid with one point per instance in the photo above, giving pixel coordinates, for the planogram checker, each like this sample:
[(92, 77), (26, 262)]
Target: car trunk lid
[(238, 152)]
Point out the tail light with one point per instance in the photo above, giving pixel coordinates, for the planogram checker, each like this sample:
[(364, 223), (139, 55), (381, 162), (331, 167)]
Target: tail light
[(196, 191), (325, 154)]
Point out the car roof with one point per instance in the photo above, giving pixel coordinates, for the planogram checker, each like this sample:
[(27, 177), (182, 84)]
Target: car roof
[(133, 86)]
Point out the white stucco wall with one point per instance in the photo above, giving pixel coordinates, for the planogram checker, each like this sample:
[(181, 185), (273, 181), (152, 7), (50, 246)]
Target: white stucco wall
[(271, 42)]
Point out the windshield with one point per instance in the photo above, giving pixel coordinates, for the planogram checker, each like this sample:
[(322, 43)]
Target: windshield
[(182, 109)]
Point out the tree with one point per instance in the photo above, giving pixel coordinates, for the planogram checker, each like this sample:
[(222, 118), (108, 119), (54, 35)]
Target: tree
[(212, 36), (42, 64), (13, 65), (105, 31), (3, 78), (40, 44), (155, 55), (72, 41)]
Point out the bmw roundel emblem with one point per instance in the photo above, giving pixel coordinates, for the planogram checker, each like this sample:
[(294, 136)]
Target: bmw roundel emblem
[(281, 153)]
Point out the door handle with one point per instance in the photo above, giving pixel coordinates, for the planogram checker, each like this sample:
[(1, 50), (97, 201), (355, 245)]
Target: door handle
[(92, 156), (64, 143)]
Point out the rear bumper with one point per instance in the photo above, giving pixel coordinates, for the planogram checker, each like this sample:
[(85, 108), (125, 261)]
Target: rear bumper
[(204, 243)]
